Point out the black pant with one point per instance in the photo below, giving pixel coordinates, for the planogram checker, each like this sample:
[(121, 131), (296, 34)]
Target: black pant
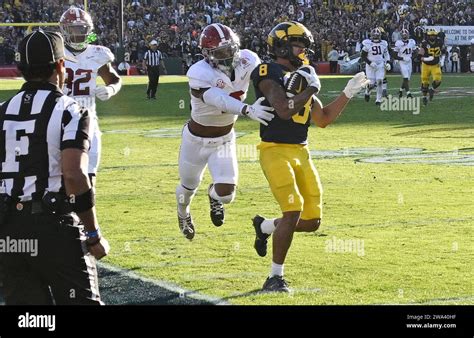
[(332, 66), (60, 273), (153, 77)]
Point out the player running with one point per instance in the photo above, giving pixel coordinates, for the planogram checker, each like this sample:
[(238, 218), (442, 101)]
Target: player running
[(284, 153), (430, 53), (375, 54), (218, 85), (403, 54)]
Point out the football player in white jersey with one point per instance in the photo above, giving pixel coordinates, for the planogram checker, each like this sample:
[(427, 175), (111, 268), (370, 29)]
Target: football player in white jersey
[(218, 85), (91, 60), (403, 51), (375, 54)]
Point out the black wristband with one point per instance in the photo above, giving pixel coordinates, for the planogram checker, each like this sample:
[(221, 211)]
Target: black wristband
[(82, 202)]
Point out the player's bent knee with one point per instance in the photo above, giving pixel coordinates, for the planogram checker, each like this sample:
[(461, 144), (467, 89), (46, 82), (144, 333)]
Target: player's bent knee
[(314, 225), (224, 189), (227, 198), (292, 217)]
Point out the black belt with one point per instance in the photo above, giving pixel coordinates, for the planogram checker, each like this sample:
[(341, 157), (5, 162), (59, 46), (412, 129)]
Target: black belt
[(28, 207), (52, 203)]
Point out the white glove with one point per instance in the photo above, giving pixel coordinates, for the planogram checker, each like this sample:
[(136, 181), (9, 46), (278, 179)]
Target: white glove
[(387, 67), (259, 112), (373, 65), (104, 92), (355, 85), (310, 75)]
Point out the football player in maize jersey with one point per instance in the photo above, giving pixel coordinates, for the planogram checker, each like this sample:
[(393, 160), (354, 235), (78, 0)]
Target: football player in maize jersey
[(430, 52), (375, 54), (284, 154), (91, 60), (402, 53)]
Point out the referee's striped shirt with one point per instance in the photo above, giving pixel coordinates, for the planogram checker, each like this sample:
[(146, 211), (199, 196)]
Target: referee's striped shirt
[(38, 123), (153, 58)]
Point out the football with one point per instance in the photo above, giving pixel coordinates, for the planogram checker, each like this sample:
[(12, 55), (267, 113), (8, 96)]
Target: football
[(295, 84)]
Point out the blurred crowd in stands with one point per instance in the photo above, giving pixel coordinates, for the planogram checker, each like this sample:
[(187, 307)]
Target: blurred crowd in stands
[(336, 24)]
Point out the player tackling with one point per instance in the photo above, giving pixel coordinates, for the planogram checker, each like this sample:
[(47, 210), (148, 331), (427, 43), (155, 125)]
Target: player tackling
[(218, 85)]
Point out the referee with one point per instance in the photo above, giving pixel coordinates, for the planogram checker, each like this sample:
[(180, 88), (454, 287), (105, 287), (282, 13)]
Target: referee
[(151, 62), (45, 195)]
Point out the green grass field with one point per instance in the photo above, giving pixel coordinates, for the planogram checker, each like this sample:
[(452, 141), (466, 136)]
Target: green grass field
[(410, 221)]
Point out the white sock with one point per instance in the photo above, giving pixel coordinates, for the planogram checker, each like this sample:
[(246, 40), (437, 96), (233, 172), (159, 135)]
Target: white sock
[(401, 89), (277, 270), (379, 93), (183, 198), (213, 193), (268, 226)]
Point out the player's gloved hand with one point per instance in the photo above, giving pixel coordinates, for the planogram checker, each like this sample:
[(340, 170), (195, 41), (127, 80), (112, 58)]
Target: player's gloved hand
[(355, 85), (98, 247), (310, 75), (387, 67), (104, 92), (259, 112), (373, 65)]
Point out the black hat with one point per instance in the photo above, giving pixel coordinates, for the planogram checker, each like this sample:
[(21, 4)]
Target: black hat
[(42, 48)]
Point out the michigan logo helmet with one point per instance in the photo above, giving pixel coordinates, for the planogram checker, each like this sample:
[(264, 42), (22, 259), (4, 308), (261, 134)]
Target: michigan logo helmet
[(283, 35)]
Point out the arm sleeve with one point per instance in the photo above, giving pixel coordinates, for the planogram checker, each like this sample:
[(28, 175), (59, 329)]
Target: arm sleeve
[(219, 98)]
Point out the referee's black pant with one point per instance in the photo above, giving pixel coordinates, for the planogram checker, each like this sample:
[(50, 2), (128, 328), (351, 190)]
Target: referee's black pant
[(153, 78), (61, 272)]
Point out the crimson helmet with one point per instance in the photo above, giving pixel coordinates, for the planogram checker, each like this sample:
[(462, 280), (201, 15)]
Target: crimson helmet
[(376, 34), (220, 47), (405, 34), (76, 25)]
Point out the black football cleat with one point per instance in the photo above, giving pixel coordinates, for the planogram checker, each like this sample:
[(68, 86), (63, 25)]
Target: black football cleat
[(409, 95), (378, 103), (425, 100), (400, 94), (275, 284), (186, 226), (217, 210), (367, 97), (431, 92), (260, 243)]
